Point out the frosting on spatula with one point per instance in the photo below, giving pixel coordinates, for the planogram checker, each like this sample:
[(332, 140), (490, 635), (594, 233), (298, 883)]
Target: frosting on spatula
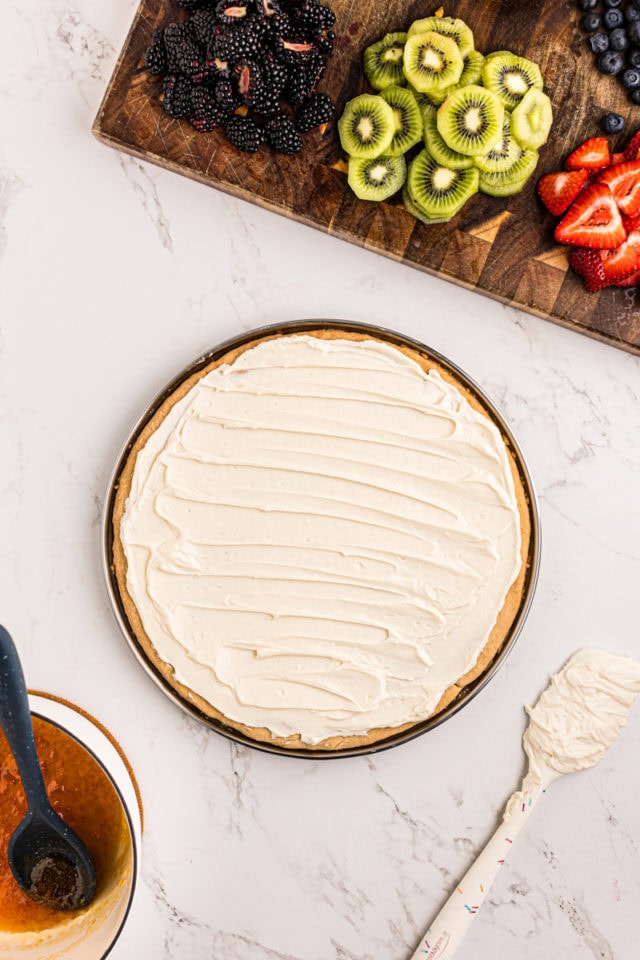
[(582, 711)]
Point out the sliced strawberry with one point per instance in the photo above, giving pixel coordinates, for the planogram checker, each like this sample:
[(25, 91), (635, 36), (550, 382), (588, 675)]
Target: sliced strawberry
[(623, 180), (593, 154), (623, 261), (631, 223), (558, 190), (592, 220), (632, 281), (588, 263), (617, 158), (633, 149)]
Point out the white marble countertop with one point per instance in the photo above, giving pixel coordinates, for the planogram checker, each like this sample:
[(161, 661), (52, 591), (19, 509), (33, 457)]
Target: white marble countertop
[(113, 276)]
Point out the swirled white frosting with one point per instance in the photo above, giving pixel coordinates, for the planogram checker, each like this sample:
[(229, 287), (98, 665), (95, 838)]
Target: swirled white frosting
[(582, 711), (320, 536)]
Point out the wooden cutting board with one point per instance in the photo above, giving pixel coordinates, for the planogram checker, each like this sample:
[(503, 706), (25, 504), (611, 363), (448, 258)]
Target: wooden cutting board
[(503, 248)]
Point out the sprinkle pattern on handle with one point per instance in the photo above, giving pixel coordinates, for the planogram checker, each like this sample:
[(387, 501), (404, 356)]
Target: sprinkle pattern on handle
[(449, 927)]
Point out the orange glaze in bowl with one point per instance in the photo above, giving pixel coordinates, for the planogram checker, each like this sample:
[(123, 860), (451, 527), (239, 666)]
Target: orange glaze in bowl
[(85, 798)]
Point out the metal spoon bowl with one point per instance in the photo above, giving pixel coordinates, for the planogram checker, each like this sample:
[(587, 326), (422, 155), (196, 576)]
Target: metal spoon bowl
[(47, 858)]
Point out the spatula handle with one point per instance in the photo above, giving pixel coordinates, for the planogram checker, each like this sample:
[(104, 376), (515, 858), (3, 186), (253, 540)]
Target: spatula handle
[(448, 929), (15, 720)]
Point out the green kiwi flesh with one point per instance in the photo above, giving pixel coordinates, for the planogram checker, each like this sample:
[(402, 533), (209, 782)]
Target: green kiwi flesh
[(432, 62), (383, 61), (471, 72), (416, 212), (470, 120), (512, 180), (367, 126), (377, 178), (504, 154), (437, 190), (448, 27), (531, 120), (510, 77), (439, 150), (408, 119)]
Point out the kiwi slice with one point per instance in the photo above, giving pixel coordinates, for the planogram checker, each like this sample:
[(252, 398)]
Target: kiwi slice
[(470, 120), (383, 61), (512, 179), (510, 77), (426, 104), (504, 154), (417, 212), (531, 120), (471, 71), (377, 178), (437, 190), (432, 62), (367, 126), (438, 148), (448, 27), (408, 119)]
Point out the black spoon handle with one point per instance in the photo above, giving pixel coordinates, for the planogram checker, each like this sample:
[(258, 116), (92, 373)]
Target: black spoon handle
[(15, 720)]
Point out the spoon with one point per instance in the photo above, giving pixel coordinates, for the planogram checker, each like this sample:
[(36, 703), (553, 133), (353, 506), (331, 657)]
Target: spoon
[(49, 861), (574, 722)]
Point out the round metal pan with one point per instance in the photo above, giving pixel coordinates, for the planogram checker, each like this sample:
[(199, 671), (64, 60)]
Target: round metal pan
[(532, 563)]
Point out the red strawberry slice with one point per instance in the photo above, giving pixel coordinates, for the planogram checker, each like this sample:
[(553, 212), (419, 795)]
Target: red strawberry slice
[(622, 262), (623, 180), (593, 154), (558, 190), (633, 149), (631, 223), (592, 220), (632, 281), (617, 158), (588, 263)]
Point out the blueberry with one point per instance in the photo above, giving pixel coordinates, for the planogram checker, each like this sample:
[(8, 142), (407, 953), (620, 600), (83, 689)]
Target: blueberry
[(599, 42), (612, 3), (613, 123), (613, 18), (590, 22), (610, 62), (634, 58), (587, 4), (634, 32), (631, 78), (634, 96), (618, 39), (631, 13)]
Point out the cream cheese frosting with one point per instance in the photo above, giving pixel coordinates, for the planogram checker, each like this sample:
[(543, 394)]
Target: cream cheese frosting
[(582, 711), (319, 537)]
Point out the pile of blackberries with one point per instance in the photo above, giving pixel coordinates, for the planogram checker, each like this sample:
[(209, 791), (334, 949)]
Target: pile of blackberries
[(615, 39), (251, 67)]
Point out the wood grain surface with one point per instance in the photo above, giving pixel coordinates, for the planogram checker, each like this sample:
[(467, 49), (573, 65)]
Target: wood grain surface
[(501, 247)]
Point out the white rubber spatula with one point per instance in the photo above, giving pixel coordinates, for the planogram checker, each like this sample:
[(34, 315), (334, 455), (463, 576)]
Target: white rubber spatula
[(574, 722)]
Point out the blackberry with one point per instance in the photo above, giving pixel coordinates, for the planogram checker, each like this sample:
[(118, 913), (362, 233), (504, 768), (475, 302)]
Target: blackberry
[(184, 54), (191, 4), (155, 59), (267, 8), (226, 95), (203, 23), (282, 135), (177, 96), (265, 101), (315, 111), (274, 73), (301, 82), (324, 42), (239, 42), (206, 112), (312, 17), (244, 134)]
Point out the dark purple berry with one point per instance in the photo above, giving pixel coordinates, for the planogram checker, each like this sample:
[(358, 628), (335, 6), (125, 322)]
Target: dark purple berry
[(613, 18), (599, 42), (634, 32), (177, 96), (631, 13), (634, 96), (612, 3), (206, 112), (156, 56), (631, 78), (282, 135), (610, 62), (587, 4), (590, 22), (244, 134), (315, 111), (613, 123), (618, 39), (634, 58)]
